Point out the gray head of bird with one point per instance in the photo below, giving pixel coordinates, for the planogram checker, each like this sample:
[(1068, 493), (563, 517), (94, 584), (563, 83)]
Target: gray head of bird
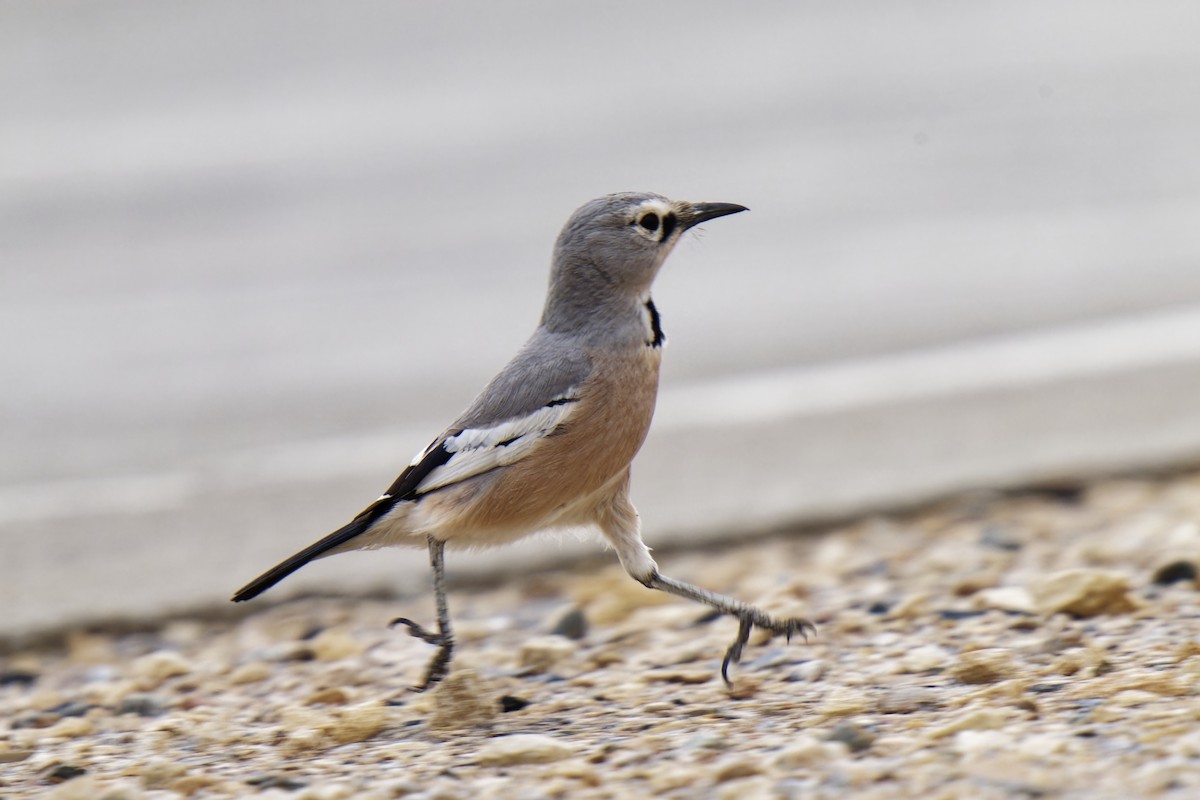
[(611, 249)]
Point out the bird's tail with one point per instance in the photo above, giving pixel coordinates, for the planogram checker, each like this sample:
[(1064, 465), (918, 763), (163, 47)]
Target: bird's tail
[(280, 571)]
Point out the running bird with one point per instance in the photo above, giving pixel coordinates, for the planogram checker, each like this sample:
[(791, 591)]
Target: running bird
[(548, 442)]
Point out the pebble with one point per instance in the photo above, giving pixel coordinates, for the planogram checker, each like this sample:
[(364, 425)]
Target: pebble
[(906, 699), (143, 705), (753, 788), (978, 719), (357, 723), (335, 644), (981, 742), (155, 668), (1175, 572), (741, 765), (806, 751), (855, 737), (85, 787), (253, 672), (543, 653), (842, 702), (332, 695), (811, 671), (573, 624), (1082, 592), (462, 701), (159, 773), (925, 658), (984, 666), (1005, 598), (523, 748)]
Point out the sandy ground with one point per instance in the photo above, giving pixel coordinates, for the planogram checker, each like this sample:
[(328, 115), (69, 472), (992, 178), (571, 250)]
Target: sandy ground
[(1031, 644)]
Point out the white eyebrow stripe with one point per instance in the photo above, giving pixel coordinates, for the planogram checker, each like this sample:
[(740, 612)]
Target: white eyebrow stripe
[(477, 450)]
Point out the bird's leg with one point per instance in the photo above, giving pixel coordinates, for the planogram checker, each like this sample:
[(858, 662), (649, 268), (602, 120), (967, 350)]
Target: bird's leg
[(439, 665), (749, 617), (619, 523)]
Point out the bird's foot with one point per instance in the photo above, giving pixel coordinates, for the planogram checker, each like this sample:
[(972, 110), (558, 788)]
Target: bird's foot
[(751, 618), (439, 665)]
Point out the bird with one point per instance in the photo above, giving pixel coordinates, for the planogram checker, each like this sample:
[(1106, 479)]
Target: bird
[(548, 442)]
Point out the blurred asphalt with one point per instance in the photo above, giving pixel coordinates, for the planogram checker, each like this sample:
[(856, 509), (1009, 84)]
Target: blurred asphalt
[(253, 256)]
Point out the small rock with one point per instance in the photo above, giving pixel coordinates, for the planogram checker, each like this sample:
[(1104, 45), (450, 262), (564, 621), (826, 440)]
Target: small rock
[(60, 773), (741, 765), (250, 673), (18, 677), (808, 751), (685, 676), (462, 701), (542, 653), (12, 755), (89, 787), (72, 709), (745, 687), (811, 671), (1082, 593), (1175, 572), (82, 787), (670, 777), (357, 723), (122, 790), (334, 644), (926, 658), (990, 665), (1005, 598), (906, 699), (144, 705), (303, 741), (980, 742), (757, 787), (523, 748), (853, 736), (160, 773), (573, 624), (189, 785), (71, 728), (843, 702), (510, 703), (329, 791), (980, 719), (1129, 698), (154, 668), (911, 607), (276, 782), (332, 695), (999, 538)]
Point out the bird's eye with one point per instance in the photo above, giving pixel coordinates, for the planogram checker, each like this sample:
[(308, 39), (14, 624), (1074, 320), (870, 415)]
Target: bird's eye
[(649, 221)]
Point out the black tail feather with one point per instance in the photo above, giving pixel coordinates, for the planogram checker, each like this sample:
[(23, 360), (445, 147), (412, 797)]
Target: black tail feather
[(280, 571), (404, 488)]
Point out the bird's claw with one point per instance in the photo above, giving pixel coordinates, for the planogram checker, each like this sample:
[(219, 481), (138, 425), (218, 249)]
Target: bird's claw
[(439, 665), (754, 618), (415, 629)]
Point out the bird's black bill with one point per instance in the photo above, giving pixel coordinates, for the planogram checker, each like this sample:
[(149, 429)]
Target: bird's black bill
[(703, 212)]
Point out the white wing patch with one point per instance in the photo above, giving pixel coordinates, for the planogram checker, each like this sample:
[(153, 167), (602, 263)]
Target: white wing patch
[(477, 450)]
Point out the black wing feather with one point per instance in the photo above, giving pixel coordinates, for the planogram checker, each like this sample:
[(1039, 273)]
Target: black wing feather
[(404, 488)]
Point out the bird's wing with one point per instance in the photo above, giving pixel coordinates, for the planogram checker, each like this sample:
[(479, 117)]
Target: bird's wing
[(474, 451), (529, 400)]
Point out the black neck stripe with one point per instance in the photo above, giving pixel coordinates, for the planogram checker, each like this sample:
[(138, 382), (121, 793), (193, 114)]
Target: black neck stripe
[(655, 325)]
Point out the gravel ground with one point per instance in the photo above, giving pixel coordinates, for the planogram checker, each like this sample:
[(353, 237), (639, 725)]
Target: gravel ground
[(1032, 644)]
